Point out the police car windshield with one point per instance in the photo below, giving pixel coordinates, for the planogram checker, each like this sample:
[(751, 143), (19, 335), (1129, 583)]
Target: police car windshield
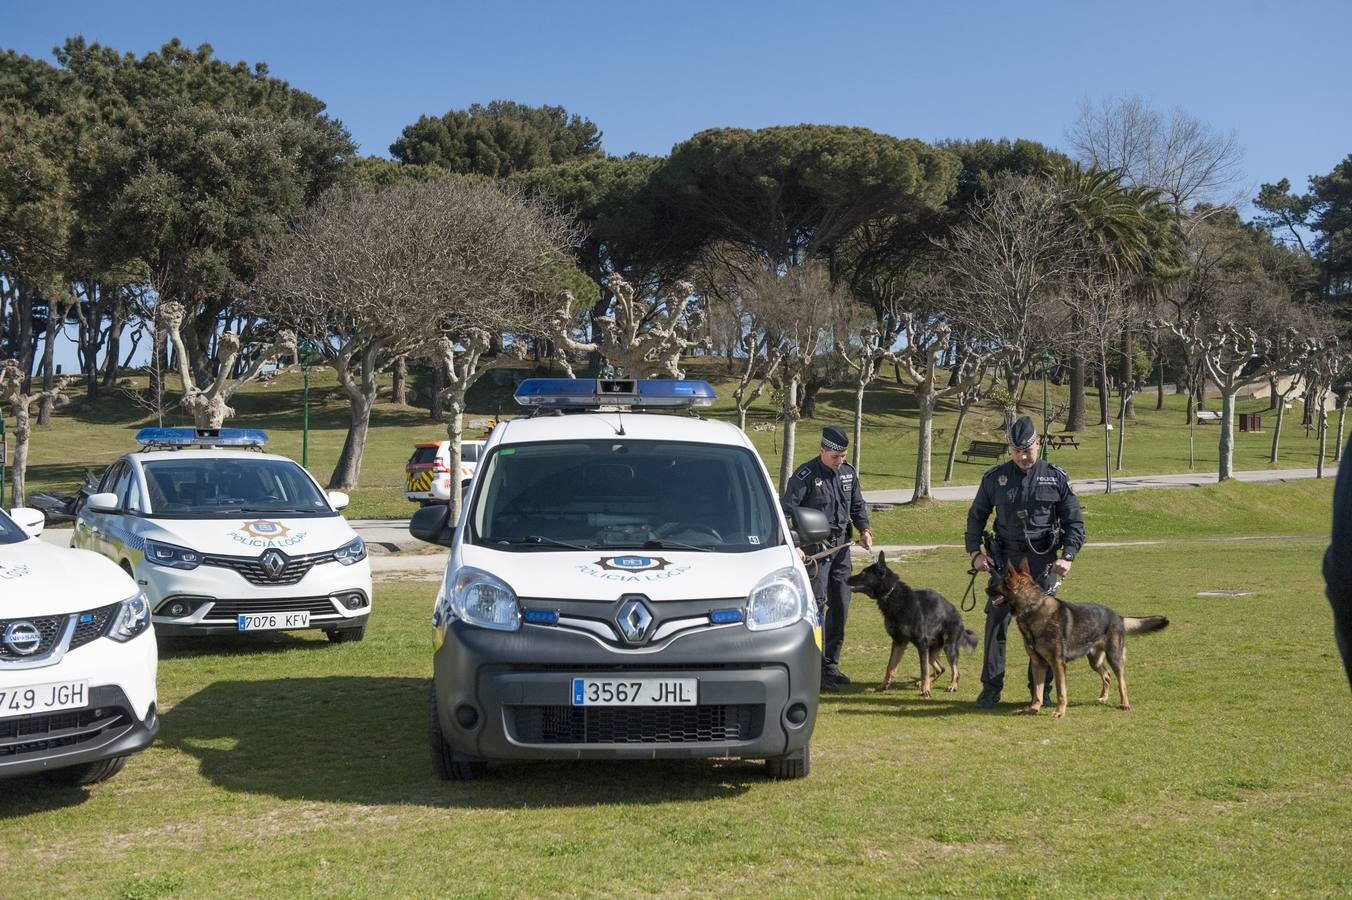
[(195, 487), (10, 533), (618, 494)]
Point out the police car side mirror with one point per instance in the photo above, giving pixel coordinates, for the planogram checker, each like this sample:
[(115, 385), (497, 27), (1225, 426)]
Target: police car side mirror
[(105, 502), (431, 524), (29, 519), (809, 526), (338, 500)]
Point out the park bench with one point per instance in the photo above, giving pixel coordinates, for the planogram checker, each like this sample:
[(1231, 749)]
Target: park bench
[(1207, 415), (1056, 441), (988, 449)]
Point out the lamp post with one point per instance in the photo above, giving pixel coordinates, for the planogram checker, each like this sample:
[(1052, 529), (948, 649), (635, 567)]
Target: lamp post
[(1046, 359), (2, 458)]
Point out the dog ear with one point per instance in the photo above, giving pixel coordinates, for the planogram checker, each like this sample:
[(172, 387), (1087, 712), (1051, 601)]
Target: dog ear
[(1023, 567), (882, 561)]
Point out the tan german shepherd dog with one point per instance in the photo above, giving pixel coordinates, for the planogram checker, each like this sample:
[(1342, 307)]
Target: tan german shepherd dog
[(1056, 632)]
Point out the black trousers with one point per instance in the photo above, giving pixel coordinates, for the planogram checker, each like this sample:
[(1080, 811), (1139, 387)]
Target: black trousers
[(997, 622), (833, 599)]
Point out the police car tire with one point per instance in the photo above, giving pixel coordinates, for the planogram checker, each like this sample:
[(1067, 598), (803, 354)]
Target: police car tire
[(89, 773), (346, 635), (791, 765), (446, 763)]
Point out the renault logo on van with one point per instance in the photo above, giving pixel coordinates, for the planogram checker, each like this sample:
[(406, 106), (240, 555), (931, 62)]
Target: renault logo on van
[(274, 561), (634, 620), (23, 638)]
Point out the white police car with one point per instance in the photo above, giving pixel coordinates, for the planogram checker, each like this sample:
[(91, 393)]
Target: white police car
[(77, 660), (622, 584), (225, 538)]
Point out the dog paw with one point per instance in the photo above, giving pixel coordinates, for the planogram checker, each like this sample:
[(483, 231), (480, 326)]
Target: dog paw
[(951, 689), (1125, 707), (926, 694), (1058, 714), (1103, 699), (1028, 711), (880, 688)]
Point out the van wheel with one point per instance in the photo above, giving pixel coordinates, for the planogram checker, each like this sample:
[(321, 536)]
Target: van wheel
[(89, 773), (346, 635), (448, 764), (791, 765)]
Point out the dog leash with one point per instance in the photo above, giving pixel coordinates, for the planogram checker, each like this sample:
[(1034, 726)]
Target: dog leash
[(821, 554)]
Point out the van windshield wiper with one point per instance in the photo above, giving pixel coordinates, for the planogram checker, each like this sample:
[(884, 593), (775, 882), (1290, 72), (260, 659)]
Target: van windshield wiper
[(539, 541), (661, 544)]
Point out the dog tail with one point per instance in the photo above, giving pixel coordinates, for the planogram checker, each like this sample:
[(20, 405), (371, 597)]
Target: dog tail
[(968, 639), (1144, 625)]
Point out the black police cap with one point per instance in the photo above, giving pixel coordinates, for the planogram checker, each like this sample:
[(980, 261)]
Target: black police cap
[(834, 439), (1022, 434)]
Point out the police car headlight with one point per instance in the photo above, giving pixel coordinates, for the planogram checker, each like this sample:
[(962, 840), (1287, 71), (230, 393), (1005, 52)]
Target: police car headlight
[(162, 554), (354, 551), (132, 618), (484, 600), (779, 599)]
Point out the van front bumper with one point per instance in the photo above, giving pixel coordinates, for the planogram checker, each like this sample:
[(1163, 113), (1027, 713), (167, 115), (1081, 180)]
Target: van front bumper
[(508, 695)]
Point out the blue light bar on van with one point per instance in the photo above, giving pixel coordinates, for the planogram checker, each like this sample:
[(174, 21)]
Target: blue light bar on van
[(581, 393), (725, 616), (201, 437)]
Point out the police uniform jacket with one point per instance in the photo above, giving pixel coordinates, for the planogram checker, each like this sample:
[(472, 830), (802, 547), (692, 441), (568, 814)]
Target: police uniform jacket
[(1045, 498), (835, 492)]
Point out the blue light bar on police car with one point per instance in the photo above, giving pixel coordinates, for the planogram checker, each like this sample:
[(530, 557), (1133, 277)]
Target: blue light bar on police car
[(580, 393), (201, 437)]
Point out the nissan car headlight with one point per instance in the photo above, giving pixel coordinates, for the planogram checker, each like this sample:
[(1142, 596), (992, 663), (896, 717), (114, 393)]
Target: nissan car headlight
[(162, 554), (132, 618), (484, 600), (779, 599), (354, 551)]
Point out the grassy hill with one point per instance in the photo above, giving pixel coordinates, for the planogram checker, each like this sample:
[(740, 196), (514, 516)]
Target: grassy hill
[(84, 436)]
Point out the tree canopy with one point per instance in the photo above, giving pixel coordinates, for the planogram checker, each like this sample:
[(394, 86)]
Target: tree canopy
[(498, 139)]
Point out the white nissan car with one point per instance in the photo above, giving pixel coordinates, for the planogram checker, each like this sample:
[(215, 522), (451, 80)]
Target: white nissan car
[(225, 538), (77, 660)]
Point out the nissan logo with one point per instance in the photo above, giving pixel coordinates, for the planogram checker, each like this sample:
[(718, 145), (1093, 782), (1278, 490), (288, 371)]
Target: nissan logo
[(23, 638), (275, 562)]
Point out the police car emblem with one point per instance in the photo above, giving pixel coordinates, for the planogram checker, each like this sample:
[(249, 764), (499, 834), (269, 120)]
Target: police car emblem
[(632, 563), (262, 528), (9, 573)]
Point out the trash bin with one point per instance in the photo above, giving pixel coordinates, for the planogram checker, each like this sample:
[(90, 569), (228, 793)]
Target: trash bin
[(1250, 422)]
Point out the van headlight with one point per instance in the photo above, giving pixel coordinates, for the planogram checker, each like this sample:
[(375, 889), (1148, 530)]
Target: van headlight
[(779, 599), (132, 618), (484, 600), (175, 557), (354, 551)]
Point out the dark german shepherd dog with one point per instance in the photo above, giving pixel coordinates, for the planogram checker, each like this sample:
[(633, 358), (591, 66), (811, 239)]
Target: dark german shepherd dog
[(923, 618), (1055, 632)]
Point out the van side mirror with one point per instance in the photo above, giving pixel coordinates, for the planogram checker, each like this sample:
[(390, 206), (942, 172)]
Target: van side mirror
[(338, 499), (809, 525), (105, 502), (432, 524)]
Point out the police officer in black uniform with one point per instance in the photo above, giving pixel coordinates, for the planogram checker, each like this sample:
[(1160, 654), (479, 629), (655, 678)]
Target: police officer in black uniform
[(831, 484), (1037, 518)]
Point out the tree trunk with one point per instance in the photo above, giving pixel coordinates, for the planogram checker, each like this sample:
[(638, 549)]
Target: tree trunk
[(1107, 457), (858, 423), (1075, 411), (19, 474), (1159, 380), (1322, 414), (455, 432), (48, 373), (807, 406), (348, 468), (953, 445), (741, 417), (925, 403), (1277, 432), (1273, 400), (438, 389), (1122, 424), (1128, 375), (1342, 416), (786, 465), (1227, 440), (1103, 387), (399, 389)]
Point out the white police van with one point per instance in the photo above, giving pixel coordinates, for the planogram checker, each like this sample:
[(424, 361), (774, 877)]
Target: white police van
[(77, 660), (226, 538), (622, 584)]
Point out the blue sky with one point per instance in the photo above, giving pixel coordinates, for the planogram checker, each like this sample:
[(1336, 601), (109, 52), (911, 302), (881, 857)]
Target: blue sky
[(651, 74)]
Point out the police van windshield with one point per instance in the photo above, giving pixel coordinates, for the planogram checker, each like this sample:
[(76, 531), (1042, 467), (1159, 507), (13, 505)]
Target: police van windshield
[(221, 488), (10, 532), (618, 494)]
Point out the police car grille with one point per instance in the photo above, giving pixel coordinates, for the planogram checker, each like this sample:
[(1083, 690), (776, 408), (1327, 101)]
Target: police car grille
[(49, 627), (253, 570), (28, 735), (94, 628), (637, 725), (232, 609)]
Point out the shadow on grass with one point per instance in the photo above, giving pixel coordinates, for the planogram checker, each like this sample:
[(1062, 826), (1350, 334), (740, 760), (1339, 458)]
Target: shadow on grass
[(354, 739), (224, 644), (31, 794)]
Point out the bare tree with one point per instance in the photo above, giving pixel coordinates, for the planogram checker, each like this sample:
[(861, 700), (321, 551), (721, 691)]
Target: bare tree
[(21, 402), (641, 332), (864, 355), (208, 401), (1102, 314), (1324, 365)]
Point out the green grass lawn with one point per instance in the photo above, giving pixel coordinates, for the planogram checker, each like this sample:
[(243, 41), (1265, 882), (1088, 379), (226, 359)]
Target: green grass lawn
[(291, 767), (1157, 441)]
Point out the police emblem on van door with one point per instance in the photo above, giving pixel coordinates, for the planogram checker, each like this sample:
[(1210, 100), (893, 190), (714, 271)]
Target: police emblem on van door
[(632, 563)]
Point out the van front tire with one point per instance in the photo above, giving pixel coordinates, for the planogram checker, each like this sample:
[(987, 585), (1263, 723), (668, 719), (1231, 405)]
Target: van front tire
[(446, 763), (791, 765)]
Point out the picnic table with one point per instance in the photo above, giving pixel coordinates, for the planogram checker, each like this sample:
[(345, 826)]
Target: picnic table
[(1056, 441)]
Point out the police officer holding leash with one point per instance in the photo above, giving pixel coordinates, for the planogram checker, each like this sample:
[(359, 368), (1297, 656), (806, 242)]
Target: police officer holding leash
[(831, 484), (1037, 518)]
